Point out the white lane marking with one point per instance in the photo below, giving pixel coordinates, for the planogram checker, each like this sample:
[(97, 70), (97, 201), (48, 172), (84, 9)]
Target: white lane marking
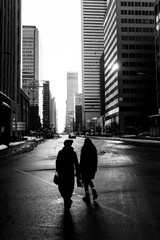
[(78, 195), (28, 174), (107, 208), (115, 211)]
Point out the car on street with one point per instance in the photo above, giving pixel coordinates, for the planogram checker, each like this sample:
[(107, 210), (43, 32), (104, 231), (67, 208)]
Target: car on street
[(71, 135)]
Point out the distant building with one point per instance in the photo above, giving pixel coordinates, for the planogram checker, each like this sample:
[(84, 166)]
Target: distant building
[(72, 88), (78, 112), (30, 72), (129, 62), (93, 13), (10, 69), (25, 109), (53, 115), (46, 105)]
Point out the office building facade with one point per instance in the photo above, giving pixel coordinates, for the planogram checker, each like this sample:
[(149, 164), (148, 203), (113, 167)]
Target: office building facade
[(93, 13), (129, 65), (10, 68), (157, 44), (30, 72), (46, 105), (78, 112), (72, 89), (155, 119), (53, 115)]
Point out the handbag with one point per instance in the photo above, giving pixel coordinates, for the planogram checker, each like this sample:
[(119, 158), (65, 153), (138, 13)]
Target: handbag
[(55, 178), (79, 183)]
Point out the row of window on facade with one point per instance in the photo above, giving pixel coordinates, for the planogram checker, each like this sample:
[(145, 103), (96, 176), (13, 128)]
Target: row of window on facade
[(137, 55), (131, 90), (136, 64), (137, 12), (135, 81), (137, 21), (137, 29), (136, 4), (138, 46), (137, 38)]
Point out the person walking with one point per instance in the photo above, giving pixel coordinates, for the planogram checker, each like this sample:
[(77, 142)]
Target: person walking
[(66, 166), (88, 168)]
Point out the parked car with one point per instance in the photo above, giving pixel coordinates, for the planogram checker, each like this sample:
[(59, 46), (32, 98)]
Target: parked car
[(49, 134), (71, 135)]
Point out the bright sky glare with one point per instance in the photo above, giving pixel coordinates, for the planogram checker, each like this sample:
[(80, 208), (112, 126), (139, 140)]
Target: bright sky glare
[(59, 25)]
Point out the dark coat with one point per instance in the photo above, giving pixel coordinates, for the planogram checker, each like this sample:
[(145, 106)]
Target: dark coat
[(66, 165), (88, 160)]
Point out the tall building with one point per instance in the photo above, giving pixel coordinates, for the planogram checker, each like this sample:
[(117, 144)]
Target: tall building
[(53, 115), (93, 13), (129, 64), (155, 119), (10, 65), (30, 72), (78, 111), (157, 43), (72, 88), (102, 86), (46, 105)]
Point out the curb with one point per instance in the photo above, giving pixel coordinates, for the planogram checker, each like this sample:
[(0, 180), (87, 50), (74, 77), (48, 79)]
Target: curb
[(20, 149), (135, 142)]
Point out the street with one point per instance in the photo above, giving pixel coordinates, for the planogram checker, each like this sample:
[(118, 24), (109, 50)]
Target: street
[(127, 181)]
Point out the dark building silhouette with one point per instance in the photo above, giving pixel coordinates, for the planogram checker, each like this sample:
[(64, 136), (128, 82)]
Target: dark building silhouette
[(46, 105), (93, 13), (78, 112), (10, 63), (30, 72), (129, 60), (25, 108), (102, 86), (155, 118)]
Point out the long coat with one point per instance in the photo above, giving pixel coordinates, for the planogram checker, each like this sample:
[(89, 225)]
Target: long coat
[(66, 166), (88, 160)]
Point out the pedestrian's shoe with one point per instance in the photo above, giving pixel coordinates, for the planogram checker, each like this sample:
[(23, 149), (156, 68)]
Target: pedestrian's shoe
[(86, 198), (95, 194)]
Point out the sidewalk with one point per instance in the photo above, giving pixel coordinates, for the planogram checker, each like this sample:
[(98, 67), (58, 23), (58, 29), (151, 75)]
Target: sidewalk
[(20, 147)]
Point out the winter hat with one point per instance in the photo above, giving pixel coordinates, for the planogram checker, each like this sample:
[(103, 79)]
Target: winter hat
[(68, 143)]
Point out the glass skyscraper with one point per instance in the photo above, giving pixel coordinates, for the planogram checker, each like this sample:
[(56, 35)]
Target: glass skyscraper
[(93, 13)]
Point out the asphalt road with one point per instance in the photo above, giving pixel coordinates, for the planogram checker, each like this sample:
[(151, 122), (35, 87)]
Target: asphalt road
[(127, 181)]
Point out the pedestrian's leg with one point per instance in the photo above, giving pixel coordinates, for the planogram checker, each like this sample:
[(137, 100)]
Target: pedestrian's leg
[(86, 197), (94, 192), (66, 193), (67, 203)]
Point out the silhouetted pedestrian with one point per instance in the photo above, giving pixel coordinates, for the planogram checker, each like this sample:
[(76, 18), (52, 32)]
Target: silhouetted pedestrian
[(66, 166), (88, 167)]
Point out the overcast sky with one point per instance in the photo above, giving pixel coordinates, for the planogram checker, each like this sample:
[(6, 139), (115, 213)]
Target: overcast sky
[(59, 25)]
